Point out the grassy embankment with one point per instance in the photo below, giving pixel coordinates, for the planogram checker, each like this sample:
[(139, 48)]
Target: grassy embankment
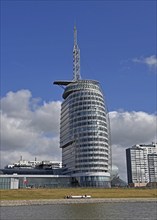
[(60, 193)]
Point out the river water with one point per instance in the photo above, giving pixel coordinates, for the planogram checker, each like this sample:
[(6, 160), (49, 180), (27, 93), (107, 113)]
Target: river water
[(101, 211)]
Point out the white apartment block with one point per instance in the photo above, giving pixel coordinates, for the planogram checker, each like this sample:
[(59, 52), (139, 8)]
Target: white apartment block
[(142, 164)]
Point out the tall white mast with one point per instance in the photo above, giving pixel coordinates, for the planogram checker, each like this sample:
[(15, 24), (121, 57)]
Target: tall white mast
[(76, 58)]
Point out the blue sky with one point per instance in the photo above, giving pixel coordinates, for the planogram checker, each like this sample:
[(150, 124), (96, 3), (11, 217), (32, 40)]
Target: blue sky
[(115, 38)]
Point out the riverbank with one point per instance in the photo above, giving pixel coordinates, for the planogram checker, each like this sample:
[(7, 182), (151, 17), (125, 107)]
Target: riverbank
[(60, 193), (72, 201)]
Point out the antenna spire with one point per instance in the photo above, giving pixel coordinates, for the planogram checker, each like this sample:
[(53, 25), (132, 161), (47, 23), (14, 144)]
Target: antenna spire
[(76, 58)]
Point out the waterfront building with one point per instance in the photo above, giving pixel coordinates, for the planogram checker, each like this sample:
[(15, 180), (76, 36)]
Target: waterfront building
[(19, 181), (34, 164), (152, 166), (141, 164), (84, 129)]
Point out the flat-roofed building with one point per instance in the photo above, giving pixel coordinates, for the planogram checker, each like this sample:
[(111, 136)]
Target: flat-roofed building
[(16, 181), (140, 163)]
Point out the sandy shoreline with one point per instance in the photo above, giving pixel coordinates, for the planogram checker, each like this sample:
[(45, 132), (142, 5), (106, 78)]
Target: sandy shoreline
[(72, 201)]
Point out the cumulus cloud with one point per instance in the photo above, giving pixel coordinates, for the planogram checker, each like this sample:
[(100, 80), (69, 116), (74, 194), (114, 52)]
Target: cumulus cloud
[(132, 127), (150, 61), (31, 128), (28, 128)]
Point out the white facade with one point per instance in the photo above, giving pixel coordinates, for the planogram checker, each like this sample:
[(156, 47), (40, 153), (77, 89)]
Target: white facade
[(140, 164), (34, 163), (14, 184)]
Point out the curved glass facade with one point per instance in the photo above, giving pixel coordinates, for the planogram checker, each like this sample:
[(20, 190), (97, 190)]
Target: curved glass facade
[(84, 134)]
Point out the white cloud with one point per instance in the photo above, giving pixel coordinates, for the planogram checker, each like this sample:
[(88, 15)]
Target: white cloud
[(150, 61), (31, 129), (119, 159), (44, 119), (132, 127), (17, 104)]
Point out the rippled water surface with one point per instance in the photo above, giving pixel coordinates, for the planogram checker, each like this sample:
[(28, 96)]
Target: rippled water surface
[(103, 211)]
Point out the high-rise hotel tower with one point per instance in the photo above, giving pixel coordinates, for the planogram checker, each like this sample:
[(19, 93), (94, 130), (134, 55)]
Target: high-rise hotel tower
[(84, 129)]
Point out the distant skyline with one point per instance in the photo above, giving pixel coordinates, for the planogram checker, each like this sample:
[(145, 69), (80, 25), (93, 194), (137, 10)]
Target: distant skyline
[(117, 41)]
